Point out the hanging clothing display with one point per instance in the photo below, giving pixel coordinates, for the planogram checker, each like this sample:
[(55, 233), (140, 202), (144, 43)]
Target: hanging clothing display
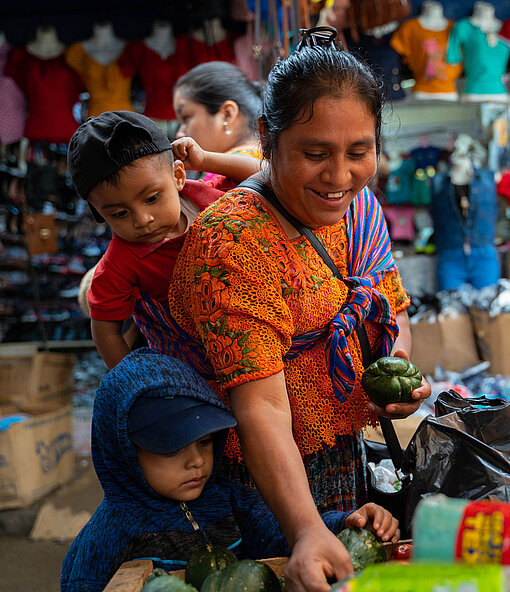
[(12, 113), (425, 52), (52, 88), (384, 60), (464, 230), (158, 75), (484, 57), (109, 89)]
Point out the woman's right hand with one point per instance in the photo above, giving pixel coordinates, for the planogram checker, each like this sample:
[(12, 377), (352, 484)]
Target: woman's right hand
[(317, 556)]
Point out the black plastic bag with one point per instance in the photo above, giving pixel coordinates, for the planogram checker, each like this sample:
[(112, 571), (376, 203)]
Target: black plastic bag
[(463, 451)]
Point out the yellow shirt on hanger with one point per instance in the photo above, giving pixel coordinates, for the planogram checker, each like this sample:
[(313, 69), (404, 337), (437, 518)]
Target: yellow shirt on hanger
[(425, 53), (109, 90)]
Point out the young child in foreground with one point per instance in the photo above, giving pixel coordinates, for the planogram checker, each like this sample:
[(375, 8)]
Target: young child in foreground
[(158, 432), (122, 163)]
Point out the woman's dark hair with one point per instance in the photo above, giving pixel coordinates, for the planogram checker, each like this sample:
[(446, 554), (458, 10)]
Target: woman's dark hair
[(296, 82), (213, 83)]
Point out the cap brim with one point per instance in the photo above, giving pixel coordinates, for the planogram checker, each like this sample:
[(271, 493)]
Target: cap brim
[(170, 434)]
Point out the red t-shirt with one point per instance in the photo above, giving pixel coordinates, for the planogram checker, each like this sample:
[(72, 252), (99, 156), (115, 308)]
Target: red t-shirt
[(158, 75), (127, 268), (52, 87)]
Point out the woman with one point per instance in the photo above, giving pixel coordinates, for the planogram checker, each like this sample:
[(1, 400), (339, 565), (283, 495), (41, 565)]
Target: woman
[(260, 307), (217, 105)]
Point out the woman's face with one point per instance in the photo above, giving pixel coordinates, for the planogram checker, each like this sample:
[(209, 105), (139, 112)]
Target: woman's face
[(197, 123), (318, 166)]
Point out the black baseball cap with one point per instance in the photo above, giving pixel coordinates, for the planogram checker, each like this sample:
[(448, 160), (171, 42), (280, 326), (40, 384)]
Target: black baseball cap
[(90, 157), (165, 425)]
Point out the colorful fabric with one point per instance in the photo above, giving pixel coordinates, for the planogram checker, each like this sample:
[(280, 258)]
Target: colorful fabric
[(133, 521), (484, 57), (108, 88), (12, 113), (425, 53), (243, 290)]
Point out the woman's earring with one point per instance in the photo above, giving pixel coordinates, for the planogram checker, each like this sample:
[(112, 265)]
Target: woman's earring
[(226, 130)]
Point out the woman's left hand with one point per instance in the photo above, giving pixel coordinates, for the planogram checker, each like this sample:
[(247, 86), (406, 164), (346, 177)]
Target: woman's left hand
[(402, 410)]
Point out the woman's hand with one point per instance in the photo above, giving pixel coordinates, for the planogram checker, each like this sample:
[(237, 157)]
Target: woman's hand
[(402, 410), (192, 156), (376, 519), (317, 556)]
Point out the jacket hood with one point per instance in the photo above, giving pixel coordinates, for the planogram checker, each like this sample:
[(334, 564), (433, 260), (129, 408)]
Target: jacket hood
[(146, 373)]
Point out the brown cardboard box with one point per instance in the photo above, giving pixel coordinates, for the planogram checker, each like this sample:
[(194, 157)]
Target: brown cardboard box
[(448, 341), (404, 428), (493, 338), (40, 377), (36, 454)]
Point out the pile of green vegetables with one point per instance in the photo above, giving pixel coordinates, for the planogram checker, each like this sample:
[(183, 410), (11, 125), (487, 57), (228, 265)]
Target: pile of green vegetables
[(216, 569)]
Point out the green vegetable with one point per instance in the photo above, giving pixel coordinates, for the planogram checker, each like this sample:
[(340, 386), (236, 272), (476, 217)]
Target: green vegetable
[(167, 583), (157, 573), (363, 547), (391, 380), (206, 560), (246, 576)]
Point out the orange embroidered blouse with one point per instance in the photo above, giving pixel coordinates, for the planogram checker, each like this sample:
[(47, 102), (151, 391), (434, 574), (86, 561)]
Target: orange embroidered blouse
[(243, 289)]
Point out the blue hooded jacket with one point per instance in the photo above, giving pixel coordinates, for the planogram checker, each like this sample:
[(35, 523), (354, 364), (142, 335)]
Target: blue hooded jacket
[(135, 522)]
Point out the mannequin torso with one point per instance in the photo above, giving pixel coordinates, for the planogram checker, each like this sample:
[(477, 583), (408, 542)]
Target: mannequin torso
[(484, 17), (212, 32), (161, 40), (432, 17), (46, 44), (104, 47)]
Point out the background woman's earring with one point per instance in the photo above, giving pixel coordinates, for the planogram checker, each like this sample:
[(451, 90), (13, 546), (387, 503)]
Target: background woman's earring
[(226, 130)]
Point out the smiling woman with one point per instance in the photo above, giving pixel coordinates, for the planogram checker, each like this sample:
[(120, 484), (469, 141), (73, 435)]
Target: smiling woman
[(265, 315)]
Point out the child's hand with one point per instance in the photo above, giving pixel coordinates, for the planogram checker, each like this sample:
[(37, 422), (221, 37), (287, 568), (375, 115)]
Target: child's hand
[(187, 150), (376, 519)]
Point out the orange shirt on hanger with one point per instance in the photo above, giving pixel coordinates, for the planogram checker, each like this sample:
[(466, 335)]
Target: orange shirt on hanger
[(109, 89), (424, 51)]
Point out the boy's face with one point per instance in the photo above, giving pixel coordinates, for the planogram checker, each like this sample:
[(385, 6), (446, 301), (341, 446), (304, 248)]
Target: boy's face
[(145, 206), (180, 476)]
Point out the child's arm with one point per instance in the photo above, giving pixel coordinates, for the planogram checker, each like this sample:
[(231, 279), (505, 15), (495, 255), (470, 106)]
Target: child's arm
[(110, 343), (234, 166), (376, 519)]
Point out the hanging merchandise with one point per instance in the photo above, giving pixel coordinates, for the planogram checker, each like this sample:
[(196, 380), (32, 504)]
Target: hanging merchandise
[(474, 43), (97, 61), (210, 42), (398, 188), (366, 15), (383, 59), (159, 60), (422, 43), (51, 87), (464, 210), (12, 113)]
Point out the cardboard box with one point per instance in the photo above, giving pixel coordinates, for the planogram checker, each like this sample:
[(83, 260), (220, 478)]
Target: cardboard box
[(448, 341), (405, 429), (36, 454), (493, 339), (41, 377)]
